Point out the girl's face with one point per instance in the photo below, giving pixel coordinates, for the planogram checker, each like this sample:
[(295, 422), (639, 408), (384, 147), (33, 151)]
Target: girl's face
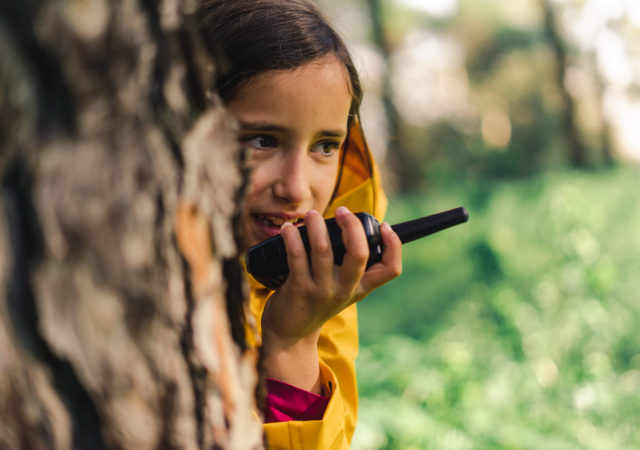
[(295, 122)]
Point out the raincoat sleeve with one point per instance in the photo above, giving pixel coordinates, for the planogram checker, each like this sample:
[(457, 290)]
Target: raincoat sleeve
[(337, 348)]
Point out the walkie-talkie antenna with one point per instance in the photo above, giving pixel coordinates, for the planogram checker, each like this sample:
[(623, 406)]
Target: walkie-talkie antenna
[(419, 228)]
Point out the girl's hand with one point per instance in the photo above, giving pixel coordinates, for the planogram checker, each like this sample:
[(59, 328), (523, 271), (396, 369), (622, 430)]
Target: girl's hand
[(313, 294)]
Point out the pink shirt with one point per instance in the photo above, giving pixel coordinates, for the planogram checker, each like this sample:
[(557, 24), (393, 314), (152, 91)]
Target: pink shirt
[(285, 402)]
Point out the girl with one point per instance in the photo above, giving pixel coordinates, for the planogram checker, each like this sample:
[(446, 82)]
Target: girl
[(294, 90)]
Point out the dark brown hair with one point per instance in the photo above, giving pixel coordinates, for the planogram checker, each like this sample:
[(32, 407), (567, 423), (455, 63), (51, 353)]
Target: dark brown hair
[(257, 36)]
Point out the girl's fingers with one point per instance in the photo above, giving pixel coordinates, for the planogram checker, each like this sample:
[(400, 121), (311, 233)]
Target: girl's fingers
[(321, 251), (391, 265), (355, 242), (296, 254)]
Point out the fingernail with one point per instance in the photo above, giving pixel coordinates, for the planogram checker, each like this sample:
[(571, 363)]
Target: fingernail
[(285, 225), (386, 226), (341, 211), (311, 212)]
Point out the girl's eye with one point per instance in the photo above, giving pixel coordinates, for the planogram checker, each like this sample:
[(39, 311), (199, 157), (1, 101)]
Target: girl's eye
[(326, 148), (261, 142)]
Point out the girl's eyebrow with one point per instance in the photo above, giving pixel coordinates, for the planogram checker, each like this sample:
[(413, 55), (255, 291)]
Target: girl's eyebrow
[(333, 133), (261, 126), (247, 125)]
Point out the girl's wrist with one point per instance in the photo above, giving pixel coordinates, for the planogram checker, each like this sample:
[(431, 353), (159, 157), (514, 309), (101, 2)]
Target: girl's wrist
[(295, 363)]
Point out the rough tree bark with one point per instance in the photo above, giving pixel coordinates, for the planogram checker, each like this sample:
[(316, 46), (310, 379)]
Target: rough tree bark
[(121, 294)]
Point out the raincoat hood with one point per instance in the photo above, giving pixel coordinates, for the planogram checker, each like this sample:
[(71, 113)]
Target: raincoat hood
[(358, 186)]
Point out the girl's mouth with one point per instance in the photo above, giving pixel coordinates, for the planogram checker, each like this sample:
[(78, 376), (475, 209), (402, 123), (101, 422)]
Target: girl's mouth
[(270, 225)]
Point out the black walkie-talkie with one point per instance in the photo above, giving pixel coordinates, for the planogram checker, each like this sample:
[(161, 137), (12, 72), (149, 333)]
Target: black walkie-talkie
[(267, 261)]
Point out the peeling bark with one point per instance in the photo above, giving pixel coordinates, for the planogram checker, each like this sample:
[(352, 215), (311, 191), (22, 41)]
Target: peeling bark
[(121, 320)]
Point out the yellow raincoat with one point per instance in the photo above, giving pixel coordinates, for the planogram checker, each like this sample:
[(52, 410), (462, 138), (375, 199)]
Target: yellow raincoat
[(359, 190)]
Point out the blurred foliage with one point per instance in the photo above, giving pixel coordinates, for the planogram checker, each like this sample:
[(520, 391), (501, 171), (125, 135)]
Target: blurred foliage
[(509, 66), (517, 330)]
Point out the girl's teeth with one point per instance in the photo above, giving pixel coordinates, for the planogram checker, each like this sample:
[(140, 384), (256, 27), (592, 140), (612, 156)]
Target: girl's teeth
[(271, 221)]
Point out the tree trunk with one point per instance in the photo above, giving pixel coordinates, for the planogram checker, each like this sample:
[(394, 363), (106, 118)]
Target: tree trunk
[(406, 171), (121, 294), (606, 133), (577, 151)]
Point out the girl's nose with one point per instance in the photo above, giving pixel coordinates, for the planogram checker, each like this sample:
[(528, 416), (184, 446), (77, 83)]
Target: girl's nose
[(293, 181)]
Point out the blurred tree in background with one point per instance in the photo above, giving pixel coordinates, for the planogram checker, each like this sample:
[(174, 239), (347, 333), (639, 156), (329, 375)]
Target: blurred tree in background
[(496, 88), (518, 329)]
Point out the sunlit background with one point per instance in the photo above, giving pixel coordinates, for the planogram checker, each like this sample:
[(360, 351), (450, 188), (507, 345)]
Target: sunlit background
[(520, 329)]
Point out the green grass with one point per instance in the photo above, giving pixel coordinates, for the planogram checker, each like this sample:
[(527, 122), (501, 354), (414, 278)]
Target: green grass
[(517, 330)]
